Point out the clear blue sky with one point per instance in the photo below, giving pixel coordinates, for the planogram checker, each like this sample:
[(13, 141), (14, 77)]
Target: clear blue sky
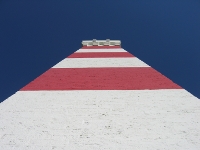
[(37, 34)]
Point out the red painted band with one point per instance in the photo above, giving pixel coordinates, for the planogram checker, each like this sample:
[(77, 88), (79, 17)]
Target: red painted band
[(101, 79), (100, 47), (100, 55)]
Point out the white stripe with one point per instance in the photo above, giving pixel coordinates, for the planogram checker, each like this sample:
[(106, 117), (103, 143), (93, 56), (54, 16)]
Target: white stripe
[(100, 62), (143, 119), (100, 50)]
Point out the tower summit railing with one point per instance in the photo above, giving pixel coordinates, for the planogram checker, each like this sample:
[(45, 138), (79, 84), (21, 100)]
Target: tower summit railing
[(106, 42)]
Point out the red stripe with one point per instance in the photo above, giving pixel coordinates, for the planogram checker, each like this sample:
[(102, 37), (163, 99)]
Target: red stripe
[(101, 79), (100, 55), (100, 47)]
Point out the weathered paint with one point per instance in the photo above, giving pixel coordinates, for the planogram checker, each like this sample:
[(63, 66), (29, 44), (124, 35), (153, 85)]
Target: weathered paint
[(88, 120)]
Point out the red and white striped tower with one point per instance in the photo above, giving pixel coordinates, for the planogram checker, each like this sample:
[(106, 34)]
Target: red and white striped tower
[(100, 97)]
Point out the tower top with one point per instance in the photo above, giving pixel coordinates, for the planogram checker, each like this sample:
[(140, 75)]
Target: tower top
[(106, 42)]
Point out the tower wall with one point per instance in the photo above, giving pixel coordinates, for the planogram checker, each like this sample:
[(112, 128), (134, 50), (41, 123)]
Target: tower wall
[(100, 97)]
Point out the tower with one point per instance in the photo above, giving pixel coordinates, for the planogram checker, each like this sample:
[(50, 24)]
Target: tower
[(100, 97)]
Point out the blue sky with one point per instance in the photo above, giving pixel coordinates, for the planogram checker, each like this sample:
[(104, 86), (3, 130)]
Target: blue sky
[(35, 35)]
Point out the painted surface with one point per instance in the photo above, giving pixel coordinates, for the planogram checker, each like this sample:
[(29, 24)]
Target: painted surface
[(100, 62), (100, 50), (103, 119), (97, 102), (100, 47), (100, 55), (135, 78)]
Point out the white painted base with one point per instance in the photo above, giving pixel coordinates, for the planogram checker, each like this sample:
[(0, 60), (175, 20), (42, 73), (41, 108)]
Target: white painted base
[(99, 120)]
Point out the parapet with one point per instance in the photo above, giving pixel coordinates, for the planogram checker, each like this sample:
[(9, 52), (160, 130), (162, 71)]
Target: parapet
[(106, 42)]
